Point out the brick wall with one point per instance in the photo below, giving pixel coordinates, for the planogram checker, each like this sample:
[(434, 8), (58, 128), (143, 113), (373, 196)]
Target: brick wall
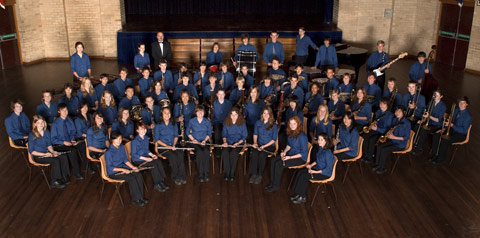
[(49, 29), (473, 57)]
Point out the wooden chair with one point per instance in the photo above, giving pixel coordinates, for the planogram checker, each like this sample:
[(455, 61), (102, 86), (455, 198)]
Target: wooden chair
[(21, 148), (407, 151), (116, 182), (90, 158), (192, 152), (456, 145), (350, 161), (325, 182), (300, 166), (42, 168), (243, 154), (305, 128)]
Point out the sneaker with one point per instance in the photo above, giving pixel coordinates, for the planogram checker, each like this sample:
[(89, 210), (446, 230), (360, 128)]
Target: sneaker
[(57, 184), (183, 181), (300, 200), (381, 171), (252, 179), (295, 197), (78, 177), (258, 180), (178, 182), (164, 185), (66, 180), (144, 200), (138, 203), (159, 188)]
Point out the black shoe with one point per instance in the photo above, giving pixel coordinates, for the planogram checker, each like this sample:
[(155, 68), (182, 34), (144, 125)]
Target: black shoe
[(292, 198), (138, 203), (57, 184), (433, 158), (374, 168), (66, 180), (368, 161), (381, 171), (78, 177), (300, 200), (90, 171), (252, 179), (437, 162), (258, 180), (201, 179), (272, 189), (144, 200), (164, 185), (159, 188)]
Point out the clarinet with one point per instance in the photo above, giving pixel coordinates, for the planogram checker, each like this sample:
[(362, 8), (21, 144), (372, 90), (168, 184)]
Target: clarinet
[(337, 138), (182, 125)]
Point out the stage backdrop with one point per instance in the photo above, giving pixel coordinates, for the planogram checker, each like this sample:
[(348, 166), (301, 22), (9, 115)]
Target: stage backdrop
[(320, 8)]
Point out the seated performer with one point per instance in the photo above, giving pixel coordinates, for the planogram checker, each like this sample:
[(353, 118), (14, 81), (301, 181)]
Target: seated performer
[(294, 89), (302, 43), (145, 83), (165, 76), (184, 109), (276, 74), (63, 139), (177, 77), (267, 90), (395, 97), (120, 84), (40, 147), (211, 89), (302, 77), (346, 87), (80, 63), (321, 124), (265, 135), (214, 57), (332, 82), (435, 121), (185, 85), (17, 124), (419, 69), (295, 153), (141, 155), (326, 56), (166, 135), (86, 94), (102, 87), (253, 110), (397, 139), (221, 108), (124, 125), (82, 123), (361, 109), (234, 135), (249, 80), (200, 78), (157, 92), (245, 46), (97, 138), (129, 100), (461, 121), (381, 124), (374, 92), (346, 141), (108, 108), (336, 107), (141, 59), (273, 49), (199, 131), (313, 99), (236, 94), (320, 169), (225, 79), (414, 102), (150, 115), (118, 167), (47, 109), (68, 99)]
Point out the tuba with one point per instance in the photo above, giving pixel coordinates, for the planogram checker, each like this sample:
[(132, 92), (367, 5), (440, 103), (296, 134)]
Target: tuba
[(136, 113), (164, 103)]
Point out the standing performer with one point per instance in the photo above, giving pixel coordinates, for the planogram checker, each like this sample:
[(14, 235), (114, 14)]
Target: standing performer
[(141, 59), (303, 42), (150, 115), (234, 134), (273, 49), (199, 131), (161, 50), (80, 63), (253, 109), (264, 137), (17, 124), (376, 60), (326, 56), (419, 69), (214, 57), (245, 46)]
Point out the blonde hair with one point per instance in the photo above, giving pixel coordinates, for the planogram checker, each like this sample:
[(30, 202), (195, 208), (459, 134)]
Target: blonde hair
[(84, 90), (326, 119), (102, 100), (35, 131)]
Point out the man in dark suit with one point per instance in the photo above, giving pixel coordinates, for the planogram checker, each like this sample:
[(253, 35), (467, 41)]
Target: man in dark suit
[(161, 50)]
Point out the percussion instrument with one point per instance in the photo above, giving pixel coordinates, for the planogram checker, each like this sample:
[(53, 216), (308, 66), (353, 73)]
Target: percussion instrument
[(213, 68), (322, 82)]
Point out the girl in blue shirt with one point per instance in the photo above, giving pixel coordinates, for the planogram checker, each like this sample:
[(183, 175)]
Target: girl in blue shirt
[(118, 167), (361, 109), (187, 109), (320, 169), (199, 131), (141, 155), (234, 135), (200, 78), (142, 59), (313, 99), (71, 101), (17, 124), (265, 135), (40, 147), (145, 83), (124, 125), (158, 93), (82, 123), (166, 135), (295, 153), (86, 94), (253, 109), (214, 57), (346, 143), (47, 109), (80, 63), (108, 108), (97, 138)]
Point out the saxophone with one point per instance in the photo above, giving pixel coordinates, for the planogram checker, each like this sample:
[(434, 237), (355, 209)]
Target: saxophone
[(337, 138), (305, 108), (366, 129), (383, 138), (182, 125), (392, 97)]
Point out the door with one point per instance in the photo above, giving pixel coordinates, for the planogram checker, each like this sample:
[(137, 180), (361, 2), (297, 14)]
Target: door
[(454, 34), (9, 55)]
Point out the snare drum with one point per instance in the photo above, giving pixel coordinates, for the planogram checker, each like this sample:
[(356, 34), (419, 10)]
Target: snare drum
[(322, 82)]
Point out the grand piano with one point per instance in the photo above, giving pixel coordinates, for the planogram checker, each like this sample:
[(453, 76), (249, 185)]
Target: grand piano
[(351, 55)]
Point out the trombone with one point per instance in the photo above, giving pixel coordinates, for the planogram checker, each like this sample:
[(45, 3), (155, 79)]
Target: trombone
[(446, 120)]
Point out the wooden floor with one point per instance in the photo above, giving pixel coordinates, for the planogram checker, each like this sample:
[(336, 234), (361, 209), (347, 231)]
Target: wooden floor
[(421, 200)]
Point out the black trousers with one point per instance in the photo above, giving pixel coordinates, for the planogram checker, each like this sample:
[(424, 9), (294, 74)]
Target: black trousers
[(302, 180), (369, 141), (95, 155), (421, 137), (230, 159), (202, 156), (135, 184), (343, 156), (380, 81), (72, 156), (282, 138), (250, 129), (277, 166), (442, 147), (217, 137), (20, 142), (59, 166), (177, 163), (83, 157), (158, 173), (258, 160), (383, 151), (301, 59)]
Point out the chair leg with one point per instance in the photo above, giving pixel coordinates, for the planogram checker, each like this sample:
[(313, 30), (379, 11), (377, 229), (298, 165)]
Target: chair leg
[(245, 163), (361, 170), (291, 180), (334, 193), (410, 159), (314, 196), (117, 191), (45, 176), (395, 164), (453, 155), (25, 159), (212, 157), (101, 191), (189, 163), (145, 186), (221, 166), (346, 172)]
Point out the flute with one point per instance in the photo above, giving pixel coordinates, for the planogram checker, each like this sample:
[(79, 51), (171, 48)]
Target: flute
[(176, 148), (53, 155), (139, 169)]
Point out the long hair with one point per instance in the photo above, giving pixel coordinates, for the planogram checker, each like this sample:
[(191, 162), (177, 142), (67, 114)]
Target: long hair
[(228, 120), (328, 141), (35, 131), (79, 110), (257, 99), (102, 100), (162, 120), (325, 119), (120, 114), (295, 133), (84, 90), (350, 116), (271, 118), (364, 91), (94, 125)]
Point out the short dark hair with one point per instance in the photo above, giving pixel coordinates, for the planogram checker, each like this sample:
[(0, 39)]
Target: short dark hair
[(15, 101), (276, 58), (115, 134), (103, 75), (465, 99), (327, 38), (124, 69), (78, 43), (421, 54), (244, 35), (61, 106), (68, 85), (129, 87), (302, 28)]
